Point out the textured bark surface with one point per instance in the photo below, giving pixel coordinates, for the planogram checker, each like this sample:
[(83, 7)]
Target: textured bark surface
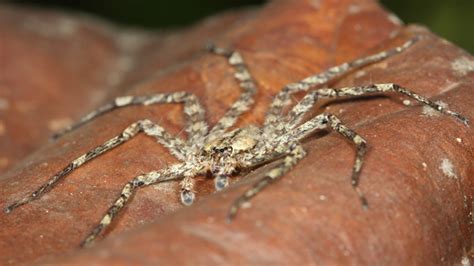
[(56, 67)]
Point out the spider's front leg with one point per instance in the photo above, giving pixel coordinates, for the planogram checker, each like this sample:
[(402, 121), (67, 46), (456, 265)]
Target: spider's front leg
[(323, 121), (274, 113), (174, 144), (172, 173), (196, 126), (296, 114), (294, 154), (247, 84)]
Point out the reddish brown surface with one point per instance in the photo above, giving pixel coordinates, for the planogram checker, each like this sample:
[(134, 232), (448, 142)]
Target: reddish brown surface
[(417, 215)]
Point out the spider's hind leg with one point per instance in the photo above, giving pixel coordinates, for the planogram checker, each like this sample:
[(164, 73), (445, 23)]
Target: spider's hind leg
[(274, 113), (127, 192), (296, 114), (174, 144), (196, 127)]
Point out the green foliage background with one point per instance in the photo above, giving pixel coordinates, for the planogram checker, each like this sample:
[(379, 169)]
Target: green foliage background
[(451, 19)]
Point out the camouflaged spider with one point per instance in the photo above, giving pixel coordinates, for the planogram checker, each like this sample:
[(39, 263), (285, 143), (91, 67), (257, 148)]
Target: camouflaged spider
[(221, 152)]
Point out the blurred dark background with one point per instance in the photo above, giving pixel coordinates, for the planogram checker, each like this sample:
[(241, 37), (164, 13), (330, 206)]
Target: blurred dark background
[(451, 19)]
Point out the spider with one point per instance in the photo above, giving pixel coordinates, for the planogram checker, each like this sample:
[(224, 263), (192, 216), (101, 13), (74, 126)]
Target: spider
[(221, 151)]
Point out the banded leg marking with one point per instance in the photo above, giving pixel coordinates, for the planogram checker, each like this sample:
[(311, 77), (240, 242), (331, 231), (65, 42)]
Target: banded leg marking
[(127, 192), (282, 98), (322, 121), (146, 126), (295, 116), (246, 82), (196, 127), (295, 154)]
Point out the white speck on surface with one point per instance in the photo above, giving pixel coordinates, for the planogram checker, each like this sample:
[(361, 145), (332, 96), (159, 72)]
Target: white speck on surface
[(425, 166), (246, 205), (465, 261), (407, 102), (354, 8), (462, 65), (428, 111), (394, 19), (448, 168), (360, 73), (341, 110), (322, 198), (459, 140), (57, 124), (4, 104)]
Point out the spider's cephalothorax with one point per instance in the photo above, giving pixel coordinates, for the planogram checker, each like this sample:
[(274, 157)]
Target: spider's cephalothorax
[(224, 155), (220, 152)]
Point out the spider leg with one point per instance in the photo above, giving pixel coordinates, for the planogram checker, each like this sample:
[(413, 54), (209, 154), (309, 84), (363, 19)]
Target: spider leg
[(145, 126), (296, 114), (282, 98), (294, 155), (196, 127), (187, 191), (247, 84), (322, 121), (128, 191)]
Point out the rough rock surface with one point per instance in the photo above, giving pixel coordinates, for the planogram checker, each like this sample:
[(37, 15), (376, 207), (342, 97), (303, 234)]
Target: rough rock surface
[(419, 176)]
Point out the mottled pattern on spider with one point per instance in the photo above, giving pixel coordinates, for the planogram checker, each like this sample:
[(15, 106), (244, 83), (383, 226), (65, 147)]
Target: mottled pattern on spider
[(221, 152)]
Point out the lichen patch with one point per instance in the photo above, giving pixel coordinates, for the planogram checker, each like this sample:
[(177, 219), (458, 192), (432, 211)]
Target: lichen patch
[(447, 168), (465, 261), (462, 65)]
